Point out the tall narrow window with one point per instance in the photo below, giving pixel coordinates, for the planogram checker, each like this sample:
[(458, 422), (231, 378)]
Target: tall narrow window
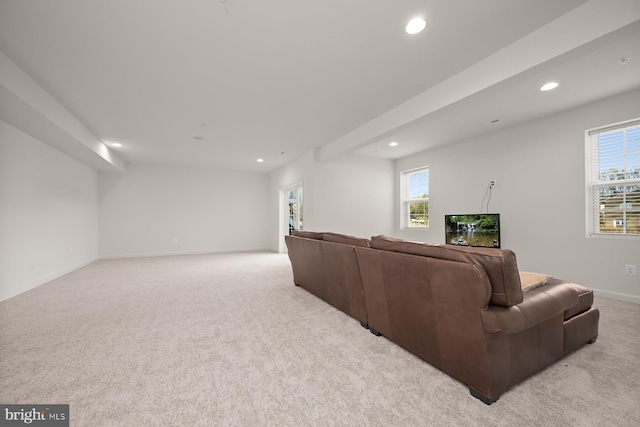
[(415, 198), (613, 179), (294, 196)]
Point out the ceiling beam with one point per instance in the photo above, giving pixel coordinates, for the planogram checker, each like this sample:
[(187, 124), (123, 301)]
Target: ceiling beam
[(586, 23), (25, 105)]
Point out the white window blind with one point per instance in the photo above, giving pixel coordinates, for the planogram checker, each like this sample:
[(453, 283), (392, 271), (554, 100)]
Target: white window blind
[(415, 198), (613, 179)]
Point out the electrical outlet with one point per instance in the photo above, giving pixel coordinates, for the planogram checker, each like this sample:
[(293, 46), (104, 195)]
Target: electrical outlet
[(492, 183), (630, 269)]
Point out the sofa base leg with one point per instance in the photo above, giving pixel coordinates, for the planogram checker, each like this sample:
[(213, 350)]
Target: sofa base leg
[(364, 325), (374, 332), (593, 339), (484, 399)]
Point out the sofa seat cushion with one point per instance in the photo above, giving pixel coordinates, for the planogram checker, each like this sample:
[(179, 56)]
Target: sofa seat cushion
[(500, 264), (530, 281)]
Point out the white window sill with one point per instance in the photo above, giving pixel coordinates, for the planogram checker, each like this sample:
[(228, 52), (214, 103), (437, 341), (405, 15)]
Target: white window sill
[(613, 236)]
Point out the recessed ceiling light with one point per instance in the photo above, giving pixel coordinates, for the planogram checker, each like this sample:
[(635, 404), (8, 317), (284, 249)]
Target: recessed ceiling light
[(393, 144), (415, 26), (549, 86), (116, 145), (260, 160)]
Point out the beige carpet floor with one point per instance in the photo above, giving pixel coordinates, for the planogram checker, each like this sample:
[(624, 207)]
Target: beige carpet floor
[(227, 340)]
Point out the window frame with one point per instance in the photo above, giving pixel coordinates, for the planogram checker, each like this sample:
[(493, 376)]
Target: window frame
[(405, 200), (593, 184)]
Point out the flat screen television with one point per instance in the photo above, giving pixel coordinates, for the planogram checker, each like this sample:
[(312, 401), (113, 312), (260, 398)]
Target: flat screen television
[(479, 230)]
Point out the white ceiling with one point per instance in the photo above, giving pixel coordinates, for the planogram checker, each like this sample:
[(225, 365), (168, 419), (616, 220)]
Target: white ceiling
[(274, 79)]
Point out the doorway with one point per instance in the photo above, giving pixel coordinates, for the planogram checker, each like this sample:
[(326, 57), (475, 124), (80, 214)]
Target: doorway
[(291, 212)]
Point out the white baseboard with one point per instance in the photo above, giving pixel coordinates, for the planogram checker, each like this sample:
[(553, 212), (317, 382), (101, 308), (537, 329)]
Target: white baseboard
[(179, 253), (616, 295)]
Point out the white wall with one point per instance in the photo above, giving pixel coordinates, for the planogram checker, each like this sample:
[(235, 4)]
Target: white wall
[(54, 210), (350, 195), (161, 210), (48, 213), (540, 194)]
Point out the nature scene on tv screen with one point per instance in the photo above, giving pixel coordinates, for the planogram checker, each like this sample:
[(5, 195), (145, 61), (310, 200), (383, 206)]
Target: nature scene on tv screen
[(473, 230)]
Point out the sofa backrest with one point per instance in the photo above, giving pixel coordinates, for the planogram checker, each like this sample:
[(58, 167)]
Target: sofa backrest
[(500, 264), (308, 234), (346, 240), (334, 238)]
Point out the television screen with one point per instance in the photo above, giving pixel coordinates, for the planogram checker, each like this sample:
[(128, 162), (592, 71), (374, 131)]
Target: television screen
[(481, 230)]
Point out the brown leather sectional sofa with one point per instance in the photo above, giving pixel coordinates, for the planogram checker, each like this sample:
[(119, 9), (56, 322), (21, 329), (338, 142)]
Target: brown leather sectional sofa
[(461, 309)]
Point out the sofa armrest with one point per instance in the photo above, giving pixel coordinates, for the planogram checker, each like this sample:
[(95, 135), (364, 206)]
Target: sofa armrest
[(538, 305)]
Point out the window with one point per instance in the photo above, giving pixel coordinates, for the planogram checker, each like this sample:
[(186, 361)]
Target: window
[(415, 198), (613, 179)]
